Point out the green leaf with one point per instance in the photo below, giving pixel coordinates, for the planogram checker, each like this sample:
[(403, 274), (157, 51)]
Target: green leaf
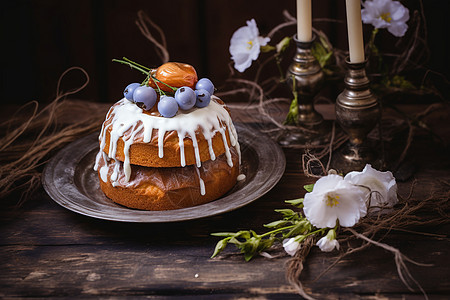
[(249, 247), (248, 256), (283, 44), (295, 202), (292, 116), (278, 223), (245, 234), (228, 234), (286, 212), (321, 52), (254, 246), (309, 187), (220, 246), (301, 227), (267, 48), (265, 244)]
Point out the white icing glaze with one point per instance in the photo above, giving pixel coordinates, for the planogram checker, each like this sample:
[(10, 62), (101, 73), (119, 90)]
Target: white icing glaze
[(202, 183), (126, 116), (104, 173)]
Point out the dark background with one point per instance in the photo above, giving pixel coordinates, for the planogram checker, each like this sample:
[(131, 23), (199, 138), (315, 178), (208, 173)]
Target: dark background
[(41, 39)]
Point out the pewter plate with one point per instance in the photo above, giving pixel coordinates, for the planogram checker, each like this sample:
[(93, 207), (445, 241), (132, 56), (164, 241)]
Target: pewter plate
[(70, 181)]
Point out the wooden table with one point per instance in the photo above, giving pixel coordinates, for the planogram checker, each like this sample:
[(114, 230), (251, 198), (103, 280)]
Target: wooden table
[(48, 251)]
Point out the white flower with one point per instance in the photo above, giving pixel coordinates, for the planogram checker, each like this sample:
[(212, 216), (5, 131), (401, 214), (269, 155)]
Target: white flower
[(386, 14), (328, 242), (381, 186), (332, 199), (291, 246), (245, 45)]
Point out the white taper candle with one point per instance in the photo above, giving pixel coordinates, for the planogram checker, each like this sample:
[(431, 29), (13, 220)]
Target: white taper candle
[(355, 34), (304, 23)]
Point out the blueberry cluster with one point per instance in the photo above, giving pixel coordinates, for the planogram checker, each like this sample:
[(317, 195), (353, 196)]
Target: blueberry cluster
[(184, 98)]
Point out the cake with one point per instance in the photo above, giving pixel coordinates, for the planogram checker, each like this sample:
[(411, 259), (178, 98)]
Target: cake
[(151, 158)]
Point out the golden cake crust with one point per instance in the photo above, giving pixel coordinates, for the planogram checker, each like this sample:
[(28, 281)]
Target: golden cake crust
[(171, 188), (147, 154)]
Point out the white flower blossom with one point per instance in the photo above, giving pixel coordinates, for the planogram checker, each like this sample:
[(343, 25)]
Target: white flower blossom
[(328, 242), (386, 14), (291, 246), (332, 199), (380, 186), (245, 45)]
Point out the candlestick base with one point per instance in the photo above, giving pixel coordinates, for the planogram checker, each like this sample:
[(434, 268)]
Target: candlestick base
[(317, 134), (305, 77), (357, 112), (350, 157)]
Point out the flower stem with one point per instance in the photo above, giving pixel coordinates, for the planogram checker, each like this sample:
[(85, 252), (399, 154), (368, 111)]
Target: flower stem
[(132, 65), (147, 71), (276, 231), (278, 59), (321, 230), (136, 64), (292, 116), (372, 39)]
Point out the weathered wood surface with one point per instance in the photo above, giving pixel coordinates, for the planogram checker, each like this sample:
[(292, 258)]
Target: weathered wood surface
[(48, 251)]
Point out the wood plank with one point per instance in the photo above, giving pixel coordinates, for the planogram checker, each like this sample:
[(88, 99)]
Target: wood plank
[(155, 268)]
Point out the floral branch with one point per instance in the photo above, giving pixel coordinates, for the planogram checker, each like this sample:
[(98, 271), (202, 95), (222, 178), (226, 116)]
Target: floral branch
[(293, 224), (333, 201)]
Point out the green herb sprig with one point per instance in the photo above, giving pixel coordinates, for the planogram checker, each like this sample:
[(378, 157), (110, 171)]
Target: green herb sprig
[(293, 224), (146, 71)]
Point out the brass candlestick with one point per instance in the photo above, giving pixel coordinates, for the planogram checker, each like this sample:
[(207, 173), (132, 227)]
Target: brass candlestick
[(309, 78), (357, 112)]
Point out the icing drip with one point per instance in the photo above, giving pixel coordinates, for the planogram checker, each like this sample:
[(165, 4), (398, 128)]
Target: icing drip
[(126, 115), (202, 183), (104, 173)]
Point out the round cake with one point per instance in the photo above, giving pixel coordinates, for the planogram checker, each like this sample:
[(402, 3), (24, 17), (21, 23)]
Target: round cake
[(150, 161)]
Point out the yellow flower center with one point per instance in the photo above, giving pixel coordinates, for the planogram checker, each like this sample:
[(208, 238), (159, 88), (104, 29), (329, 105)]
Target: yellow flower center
[(332, 200), (250, 44), (386, 16)]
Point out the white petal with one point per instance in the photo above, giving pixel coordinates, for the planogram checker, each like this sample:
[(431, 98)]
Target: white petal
[(398, 29), (380, 23), (254, 31), (383, 5), (291, 246), (254, 51), (324, 184), (351, 206), (317, 212), (263, 40), (242, 35), (399, 13), (370, 7), (381, 184), (327, 245), (366, 16)]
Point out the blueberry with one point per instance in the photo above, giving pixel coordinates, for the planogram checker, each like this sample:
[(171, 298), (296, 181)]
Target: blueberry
[(145, 97), (167, 106), (205, 84), (185, 97), (129, 90), (203, 98)]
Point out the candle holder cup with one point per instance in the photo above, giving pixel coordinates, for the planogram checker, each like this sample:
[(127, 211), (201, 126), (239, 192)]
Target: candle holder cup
[(305, 70), (357, 112)]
